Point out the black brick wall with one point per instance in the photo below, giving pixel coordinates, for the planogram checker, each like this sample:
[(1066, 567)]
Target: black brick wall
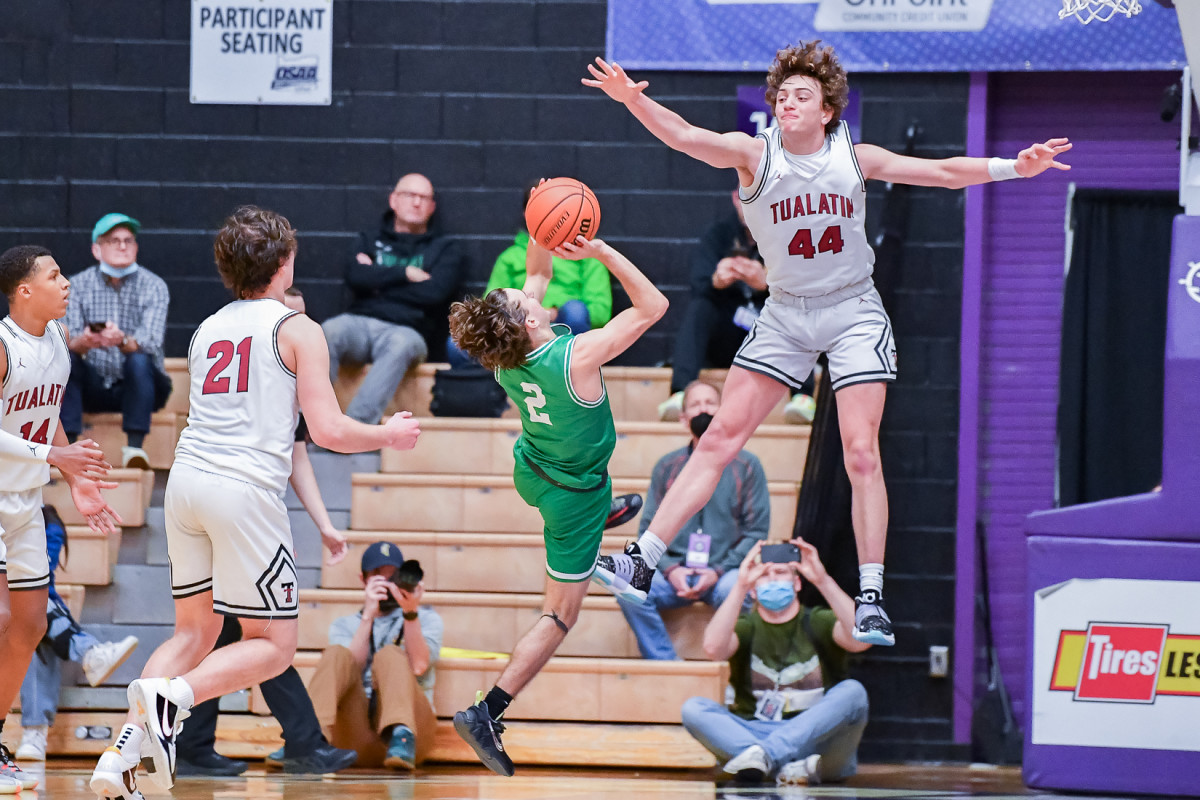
[(94, 116)]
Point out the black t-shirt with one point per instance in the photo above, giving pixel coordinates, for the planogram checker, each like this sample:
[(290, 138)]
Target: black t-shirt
[(302, 430)]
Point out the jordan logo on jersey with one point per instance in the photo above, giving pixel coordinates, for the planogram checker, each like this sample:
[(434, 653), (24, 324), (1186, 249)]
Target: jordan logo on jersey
[(48, 394), (803, 205)]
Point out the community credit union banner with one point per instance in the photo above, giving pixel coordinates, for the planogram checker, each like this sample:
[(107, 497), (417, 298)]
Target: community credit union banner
[(268, 52), (889, 35)]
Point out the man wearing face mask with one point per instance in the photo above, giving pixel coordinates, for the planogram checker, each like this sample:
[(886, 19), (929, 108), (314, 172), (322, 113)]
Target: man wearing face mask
[(117, 319), (795, 714), (703, 565)]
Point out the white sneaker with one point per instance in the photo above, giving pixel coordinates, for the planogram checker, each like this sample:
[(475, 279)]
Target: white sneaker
[(33, 743), (9, 785), (102, 660), (800, 410), (749, 766), (115, 775), (805, 771), (161, 711), (134, 458), (670, 409), (9, 768)]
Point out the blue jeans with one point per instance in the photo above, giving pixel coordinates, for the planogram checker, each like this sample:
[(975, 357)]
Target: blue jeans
[(39, 690), (390, 349), (833, 728), (142, 390), (647, 623)]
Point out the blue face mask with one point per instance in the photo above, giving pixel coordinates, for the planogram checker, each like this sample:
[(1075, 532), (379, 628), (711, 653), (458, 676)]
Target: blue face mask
[(776, 595), (118, 272)]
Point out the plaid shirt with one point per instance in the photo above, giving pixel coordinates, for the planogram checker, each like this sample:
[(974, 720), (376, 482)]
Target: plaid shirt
[(138, 307)]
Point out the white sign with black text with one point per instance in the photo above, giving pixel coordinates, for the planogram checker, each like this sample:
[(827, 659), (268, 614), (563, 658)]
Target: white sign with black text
[(269, 52)]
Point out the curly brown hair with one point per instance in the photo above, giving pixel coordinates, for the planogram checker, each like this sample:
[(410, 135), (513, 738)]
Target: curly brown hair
[(819, 63), (491, 330), (250, 248)]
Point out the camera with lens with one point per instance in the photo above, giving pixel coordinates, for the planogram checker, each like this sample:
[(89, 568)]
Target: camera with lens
[(406, 577)]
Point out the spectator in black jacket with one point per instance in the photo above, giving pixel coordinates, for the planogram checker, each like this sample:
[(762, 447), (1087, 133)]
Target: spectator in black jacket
[(401, 281)]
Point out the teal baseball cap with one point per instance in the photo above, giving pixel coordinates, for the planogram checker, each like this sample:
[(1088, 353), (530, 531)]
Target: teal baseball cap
[(110, 221)]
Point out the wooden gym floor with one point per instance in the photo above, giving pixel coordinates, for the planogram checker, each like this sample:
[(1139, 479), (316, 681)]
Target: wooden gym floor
[(67, 780)]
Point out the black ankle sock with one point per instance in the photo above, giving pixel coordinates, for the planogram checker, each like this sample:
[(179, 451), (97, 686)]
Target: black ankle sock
[(135, 439), (497, 701)]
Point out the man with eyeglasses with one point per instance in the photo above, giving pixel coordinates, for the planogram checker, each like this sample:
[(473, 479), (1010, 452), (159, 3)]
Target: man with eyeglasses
[(117, 319), (401, 280)]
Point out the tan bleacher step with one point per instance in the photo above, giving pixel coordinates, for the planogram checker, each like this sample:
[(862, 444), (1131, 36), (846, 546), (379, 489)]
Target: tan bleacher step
[(177, 371), (73, 595), (88, 557), (494, 622), (490, 503), (568, 689), (105, 429), (460, 562), (130, 499), (445, 441), (529, 743)]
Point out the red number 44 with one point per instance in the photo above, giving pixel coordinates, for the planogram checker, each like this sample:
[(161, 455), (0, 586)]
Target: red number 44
[(830, 242)]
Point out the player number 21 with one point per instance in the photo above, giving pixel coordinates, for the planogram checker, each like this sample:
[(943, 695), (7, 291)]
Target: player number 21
[(538, 400), (830, 242), (223, 352)]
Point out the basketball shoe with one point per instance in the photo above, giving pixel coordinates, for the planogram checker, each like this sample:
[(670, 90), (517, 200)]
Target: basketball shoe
[(871, 623), (102, 660), (9, 768), (749, 766), (624, 508), (116, 771), (9, 785), (161, 705), (478, 729), (626, 574)]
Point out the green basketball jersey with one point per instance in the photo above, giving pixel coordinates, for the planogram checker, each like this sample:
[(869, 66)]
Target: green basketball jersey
[(568, 439)]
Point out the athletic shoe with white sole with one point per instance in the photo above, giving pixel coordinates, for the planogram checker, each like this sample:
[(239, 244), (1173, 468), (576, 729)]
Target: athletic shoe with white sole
[(102, 660), (9, 785), (115, 775), (804, 771), (33, 743), (161, 711), (749, 766), (626, 574), (8, 766), (670, 409), (478, 729), (800, 410), (871, 623)]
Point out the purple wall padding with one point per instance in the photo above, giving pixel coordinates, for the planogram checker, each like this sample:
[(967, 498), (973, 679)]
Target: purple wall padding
[(1120, 142)]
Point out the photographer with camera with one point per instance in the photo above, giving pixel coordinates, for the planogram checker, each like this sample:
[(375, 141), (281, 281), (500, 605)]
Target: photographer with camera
[(796, 714), (373, 687)]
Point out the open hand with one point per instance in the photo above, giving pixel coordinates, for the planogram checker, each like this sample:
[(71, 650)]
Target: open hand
[(100, 516), (810, 566), (613, 81), (1039, 157), (402, 431)]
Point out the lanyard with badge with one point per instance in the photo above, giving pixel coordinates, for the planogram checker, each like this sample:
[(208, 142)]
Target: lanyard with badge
[(747, 313)]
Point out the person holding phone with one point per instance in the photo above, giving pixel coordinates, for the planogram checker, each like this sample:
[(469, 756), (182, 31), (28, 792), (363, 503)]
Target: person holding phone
[(373, 687), (702, 566), (796, 715), (117, 319)]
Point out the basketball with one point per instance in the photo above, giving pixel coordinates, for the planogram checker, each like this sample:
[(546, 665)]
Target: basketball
[(561, 209)]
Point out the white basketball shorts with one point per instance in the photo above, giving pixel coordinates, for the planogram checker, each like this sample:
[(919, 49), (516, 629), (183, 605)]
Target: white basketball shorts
[(854, 333), (233, 538), (23, 540)]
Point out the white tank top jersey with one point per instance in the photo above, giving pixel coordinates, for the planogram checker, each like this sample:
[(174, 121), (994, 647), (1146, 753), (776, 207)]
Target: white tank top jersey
[(808, 215), (38, 369), (242, 420)]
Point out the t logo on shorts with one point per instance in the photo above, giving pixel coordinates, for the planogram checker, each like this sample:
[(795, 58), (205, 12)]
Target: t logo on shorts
[(277, 584)]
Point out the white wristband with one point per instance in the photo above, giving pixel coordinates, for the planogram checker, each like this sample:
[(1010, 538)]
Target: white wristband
[(1002, 169)]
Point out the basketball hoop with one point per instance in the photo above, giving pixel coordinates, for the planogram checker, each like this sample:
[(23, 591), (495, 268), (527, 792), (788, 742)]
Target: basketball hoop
[(1102, 10)]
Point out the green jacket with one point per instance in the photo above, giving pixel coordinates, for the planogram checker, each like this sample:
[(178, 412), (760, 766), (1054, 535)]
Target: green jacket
[(586, 280)]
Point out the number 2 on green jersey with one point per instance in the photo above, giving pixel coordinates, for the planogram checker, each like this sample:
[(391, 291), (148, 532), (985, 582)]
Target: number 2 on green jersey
[(538, 400)]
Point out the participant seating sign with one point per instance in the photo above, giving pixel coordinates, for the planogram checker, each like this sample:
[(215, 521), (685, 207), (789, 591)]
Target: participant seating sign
[(268, 52)]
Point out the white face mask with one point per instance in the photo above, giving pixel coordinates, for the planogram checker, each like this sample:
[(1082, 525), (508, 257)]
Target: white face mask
[(118, 272)]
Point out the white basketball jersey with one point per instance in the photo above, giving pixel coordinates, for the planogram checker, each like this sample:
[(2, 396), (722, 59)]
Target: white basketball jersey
[(38, 369), (808, 215), (242, 420)]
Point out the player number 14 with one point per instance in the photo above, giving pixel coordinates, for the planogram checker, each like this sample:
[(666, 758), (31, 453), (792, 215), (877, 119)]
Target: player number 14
[(534, 402)]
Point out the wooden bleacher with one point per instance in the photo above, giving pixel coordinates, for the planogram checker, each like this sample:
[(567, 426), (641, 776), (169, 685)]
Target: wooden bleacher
[(450, 503)]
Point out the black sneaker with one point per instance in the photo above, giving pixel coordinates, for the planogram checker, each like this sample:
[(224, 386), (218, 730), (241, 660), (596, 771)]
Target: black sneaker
[(323, 759), (871, 622), (209, 763), (478, 729), (624, 508), (625, 575)]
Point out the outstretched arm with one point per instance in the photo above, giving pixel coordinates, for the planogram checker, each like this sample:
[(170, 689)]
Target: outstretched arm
[(539, 269), (955, 173), (723, 150)]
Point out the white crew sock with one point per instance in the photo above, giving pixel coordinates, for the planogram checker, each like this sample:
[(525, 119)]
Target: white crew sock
[(652, 548), (130, 745), (870, 577), (181, 693)]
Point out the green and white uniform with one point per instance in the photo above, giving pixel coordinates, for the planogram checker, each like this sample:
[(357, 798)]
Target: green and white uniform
[(562, 456)]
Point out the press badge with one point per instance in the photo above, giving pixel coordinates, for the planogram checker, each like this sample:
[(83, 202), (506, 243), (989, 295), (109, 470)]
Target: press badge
[(770, 707), (745, 316), (698, 549)]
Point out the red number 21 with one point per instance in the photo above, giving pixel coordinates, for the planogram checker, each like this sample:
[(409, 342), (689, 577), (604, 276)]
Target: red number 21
[(830, 242), (223, 352)]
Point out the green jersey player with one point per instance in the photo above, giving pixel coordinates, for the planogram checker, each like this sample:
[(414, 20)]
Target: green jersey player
[(567, 437)]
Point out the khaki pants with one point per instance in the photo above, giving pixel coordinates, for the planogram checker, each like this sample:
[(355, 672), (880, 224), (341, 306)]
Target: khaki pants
[(343, 711)]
